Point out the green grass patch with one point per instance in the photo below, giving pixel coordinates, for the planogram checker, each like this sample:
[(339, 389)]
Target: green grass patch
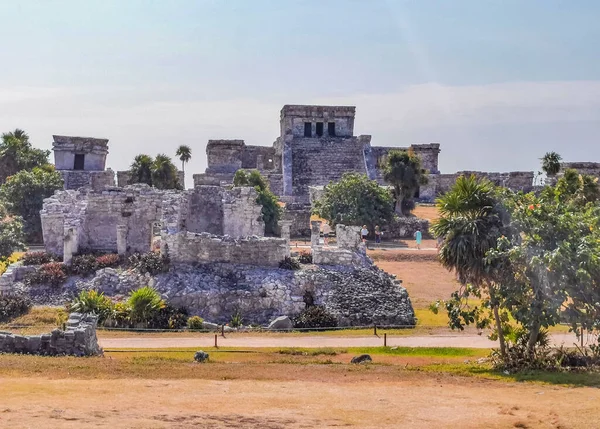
[(423, 351)]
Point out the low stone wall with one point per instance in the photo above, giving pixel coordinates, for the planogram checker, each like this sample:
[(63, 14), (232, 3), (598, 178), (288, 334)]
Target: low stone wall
[(187, 247), (335, 256), (299, 216), (405, 227), (79, 339), (96, 180)]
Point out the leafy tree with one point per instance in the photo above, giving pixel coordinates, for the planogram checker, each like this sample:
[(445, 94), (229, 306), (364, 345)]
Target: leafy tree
[(24, 193), (271, 210), (551, 163), (11, 233), (16, 154), (184, 153), (164, 173), (404, 173), (355, 200), (470, 223), (141, 170), (159, 172)]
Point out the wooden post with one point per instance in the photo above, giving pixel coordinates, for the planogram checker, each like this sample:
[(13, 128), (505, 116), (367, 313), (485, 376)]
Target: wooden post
[(216, 346), (223, 330), (384, 340), (375, 330)]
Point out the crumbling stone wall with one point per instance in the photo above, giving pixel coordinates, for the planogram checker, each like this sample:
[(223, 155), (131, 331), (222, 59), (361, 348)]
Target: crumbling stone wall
[(93, 150), (96, 180), (79, 339), (515, 180), (299, 217), (590, 168), (188, 248)]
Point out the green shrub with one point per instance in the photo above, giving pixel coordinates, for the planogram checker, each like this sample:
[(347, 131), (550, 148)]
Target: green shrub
[(145, 304), (52, 273), (315, 316), (195, 322), (236, 320), (83, 265), (151, 262), (12, 306), (37, 258), (108, 260), (169, 317), (305, 257), (289, 264), (91, 301), (121, 315)]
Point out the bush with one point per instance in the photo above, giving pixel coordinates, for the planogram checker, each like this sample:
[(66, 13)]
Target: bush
[(305, 258), (91, 301), (195, 322), (315, 316), (52, 273), (236, 320), (169, 317), (109, 260), (121, 315), (145, 304), (83, 265), (12, 306), (289, 264), (37, 258), (151, 262)]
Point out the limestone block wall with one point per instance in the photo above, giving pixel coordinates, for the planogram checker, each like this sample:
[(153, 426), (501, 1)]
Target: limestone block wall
[(348, 237), (79, 339), (187, 247), (590, 168), (515, 180), (242, 215), (224, 156), (299, 216), (97, 180), (66, 147), (293, 118)]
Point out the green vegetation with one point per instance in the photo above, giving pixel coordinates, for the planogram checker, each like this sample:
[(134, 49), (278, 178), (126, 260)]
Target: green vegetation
[(145, 304), (93, 302), (315, 316), (355, 200), (11, 235), (403, 171), (17, 153), (185, 154), (23, 195), (195, 322), (271, 210), (551, 163), (159, 172)]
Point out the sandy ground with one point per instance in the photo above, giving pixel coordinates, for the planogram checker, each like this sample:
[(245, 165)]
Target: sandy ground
[(239, 340), (417, 402)]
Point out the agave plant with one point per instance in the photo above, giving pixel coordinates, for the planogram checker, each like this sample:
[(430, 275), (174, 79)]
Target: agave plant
[(145, 303)]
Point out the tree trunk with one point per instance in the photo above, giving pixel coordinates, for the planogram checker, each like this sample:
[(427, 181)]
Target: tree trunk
[(500, 333), (399, 199), (533, 336)]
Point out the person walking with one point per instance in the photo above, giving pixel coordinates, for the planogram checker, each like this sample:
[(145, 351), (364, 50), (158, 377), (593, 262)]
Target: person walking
[(418, 238), (364, 233), (326, 232), (377, 234)]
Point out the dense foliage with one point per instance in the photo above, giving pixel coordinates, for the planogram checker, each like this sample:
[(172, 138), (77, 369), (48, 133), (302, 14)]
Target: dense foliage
[(145, 304), (23, 195), (93, 302), (51, 273), (11, 233), (288, 263), (315, 316), (12, 306), (271, 210), (533, 257), (403, 171), (195, 322), (355, 200), (17, 153), (151, 262), (159, 172)]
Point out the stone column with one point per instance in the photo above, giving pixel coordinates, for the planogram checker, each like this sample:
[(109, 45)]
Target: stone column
[(285, 226), (68, 244), (260, 162), (315, 232), (121, 239)]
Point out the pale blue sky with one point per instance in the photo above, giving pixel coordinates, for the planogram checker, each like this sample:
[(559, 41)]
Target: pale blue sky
[(497, 83)]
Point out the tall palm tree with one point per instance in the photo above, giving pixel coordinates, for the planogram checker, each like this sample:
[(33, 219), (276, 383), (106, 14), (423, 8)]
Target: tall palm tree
[(185, 154), (551, 163), (141, 170), (470, 225), (17, 134), (164, 173)]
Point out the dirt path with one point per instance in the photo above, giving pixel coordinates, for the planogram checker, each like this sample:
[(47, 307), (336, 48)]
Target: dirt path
[(239, 340), (416, 402)]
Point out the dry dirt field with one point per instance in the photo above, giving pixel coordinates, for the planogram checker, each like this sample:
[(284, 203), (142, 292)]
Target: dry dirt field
[(271, 390)]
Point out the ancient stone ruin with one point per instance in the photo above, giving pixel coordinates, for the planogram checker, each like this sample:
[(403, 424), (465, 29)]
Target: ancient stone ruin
[(78, 339)]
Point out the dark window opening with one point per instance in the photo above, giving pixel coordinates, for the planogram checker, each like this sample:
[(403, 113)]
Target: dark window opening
[(331, 128), (79, 162), (307, 129), (319, 129)]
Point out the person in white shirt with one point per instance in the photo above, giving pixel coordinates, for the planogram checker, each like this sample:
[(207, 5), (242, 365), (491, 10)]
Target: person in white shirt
[(364, 232)]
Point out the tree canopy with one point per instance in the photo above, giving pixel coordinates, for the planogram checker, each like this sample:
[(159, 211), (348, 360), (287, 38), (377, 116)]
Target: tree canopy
[(17, 153), (551, 163), (271, 210), (403, 171), (184, 153), (23, 195), (355, 200), (11, 233), (159, 172)]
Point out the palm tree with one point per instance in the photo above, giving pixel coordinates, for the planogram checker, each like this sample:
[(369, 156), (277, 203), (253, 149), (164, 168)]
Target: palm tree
[(164, 173), (403, 171), (470, 225), (141, 170), (185, 154), (17, 134), (551, 163)]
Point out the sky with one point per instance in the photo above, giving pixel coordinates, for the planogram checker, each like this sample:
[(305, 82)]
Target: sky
[(496, 82)]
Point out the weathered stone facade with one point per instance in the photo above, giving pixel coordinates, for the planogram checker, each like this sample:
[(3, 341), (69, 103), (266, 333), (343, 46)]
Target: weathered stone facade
[(590, 168), (78, 339)]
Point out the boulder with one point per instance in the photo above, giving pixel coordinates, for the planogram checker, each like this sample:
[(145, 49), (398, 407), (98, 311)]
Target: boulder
[(281, 323), (210, 326), (361, 359), (201, 356)]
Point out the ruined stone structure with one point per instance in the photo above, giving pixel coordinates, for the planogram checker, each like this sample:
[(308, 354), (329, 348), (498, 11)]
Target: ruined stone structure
[(81, 161), (590, 168), (194, 225), (78, 339)]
